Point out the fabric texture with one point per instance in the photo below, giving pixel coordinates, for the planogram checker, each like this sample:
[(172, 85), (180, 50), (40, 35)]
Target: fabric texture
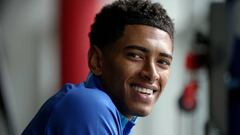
[(83, 109)]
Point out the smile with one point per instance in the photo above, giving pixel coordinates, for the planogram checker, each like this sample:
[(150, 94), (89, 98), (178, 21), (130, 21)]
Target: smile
[(143, 90)]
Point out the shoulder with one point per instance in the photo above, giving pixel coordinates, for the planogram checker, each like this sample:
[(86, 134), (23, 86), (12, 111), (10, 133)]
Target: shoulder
[(89, 108), (79, 95)]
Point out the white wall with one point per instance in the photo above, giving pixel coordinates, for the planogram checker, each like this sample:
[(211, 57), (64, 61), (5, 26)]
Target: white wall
[(30, 57)]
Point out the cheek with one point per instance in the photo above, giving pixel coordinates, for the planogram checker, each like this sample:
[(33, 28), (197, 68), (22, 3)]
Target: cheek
[(126, 69), (163, 82), (120, 73), (164, 78)]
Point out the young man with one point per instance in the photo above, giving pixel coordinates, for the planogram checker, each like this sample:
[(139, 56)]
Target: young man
[(129, 58)]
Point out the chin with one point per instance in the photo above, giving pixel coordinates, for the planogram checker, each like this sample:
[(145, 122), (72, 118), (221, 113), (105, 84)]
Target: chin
[(142, 112), (142, 115)]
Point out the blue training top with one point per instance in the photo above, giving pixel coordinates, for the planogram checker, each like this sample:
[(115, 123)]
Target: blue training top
[(83, 109)]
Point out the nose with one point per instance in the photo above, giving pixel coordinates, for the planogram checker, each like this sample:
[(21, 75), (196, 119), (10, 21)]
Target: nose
[(150, 72)]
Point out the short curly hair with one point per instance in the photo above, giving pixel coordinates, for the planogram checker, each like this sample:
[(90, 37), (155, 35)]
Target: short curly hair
[(111, 20)]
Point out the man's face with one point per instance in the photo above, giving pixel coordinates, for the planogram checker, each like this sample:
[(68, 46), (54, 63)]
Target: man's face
[(136, 69)]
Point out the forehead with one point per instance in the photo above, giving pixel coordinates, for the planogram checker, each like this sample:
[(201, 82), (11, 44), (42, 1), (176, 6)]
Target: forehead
[(146, 36)]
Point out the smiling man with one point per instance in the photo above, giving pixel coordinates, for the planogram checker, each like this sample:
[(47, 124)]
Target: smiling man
[(135, 70), (129, 58)]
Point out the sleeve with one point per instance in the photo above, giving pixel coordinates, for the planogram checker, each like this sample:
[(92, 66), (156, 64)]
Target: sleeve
[(86, 114)]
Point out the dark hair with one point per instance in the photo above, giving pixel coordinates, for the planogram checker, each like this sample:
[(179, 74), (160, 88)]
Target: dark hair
[(111, 20)]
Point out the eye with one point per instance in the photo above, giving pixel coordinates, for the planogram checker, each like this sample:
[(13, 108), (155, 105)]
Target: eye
[(164, 63), (134, 56)]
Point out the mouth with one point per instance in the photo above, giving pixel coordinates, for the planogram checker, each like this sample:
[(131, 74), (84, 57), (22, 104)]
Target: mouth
[(143, 90)]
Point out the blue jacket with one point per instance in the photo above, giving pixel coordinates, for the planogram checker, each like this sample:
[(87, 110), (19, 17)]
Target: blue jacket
[(83, 109)]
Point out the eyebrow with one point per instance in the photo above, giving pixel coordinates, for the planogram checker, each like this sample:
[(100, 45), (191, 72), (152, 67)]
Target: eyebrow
[(147, 51), (166, 55), (136, 47)]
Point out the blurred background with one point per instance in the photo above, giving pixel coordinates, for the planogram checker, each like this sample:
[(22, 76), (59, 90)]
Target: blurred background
[(43, 44)]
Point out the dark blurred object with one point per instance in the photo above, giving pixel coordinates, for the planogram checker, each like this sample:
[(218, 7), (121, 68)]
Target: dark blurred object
[(198, 55), (195, 59), (224, 69), (234, 111), (233, 78), (219, 54), (231, 1), (233, 85), (234, 68), (188, 100)]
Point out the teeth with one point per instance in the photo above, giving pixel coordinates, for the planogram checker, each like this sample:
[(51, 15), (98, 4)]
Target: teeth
[(143, 90)]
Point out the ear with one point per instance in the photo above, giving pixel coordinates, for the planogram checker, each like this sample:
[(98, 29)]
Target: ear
[(95, 60)]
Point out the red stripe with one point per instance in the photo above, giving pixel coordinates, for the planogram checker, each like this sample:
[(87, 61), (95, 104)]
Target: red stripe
[(76, 16)]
